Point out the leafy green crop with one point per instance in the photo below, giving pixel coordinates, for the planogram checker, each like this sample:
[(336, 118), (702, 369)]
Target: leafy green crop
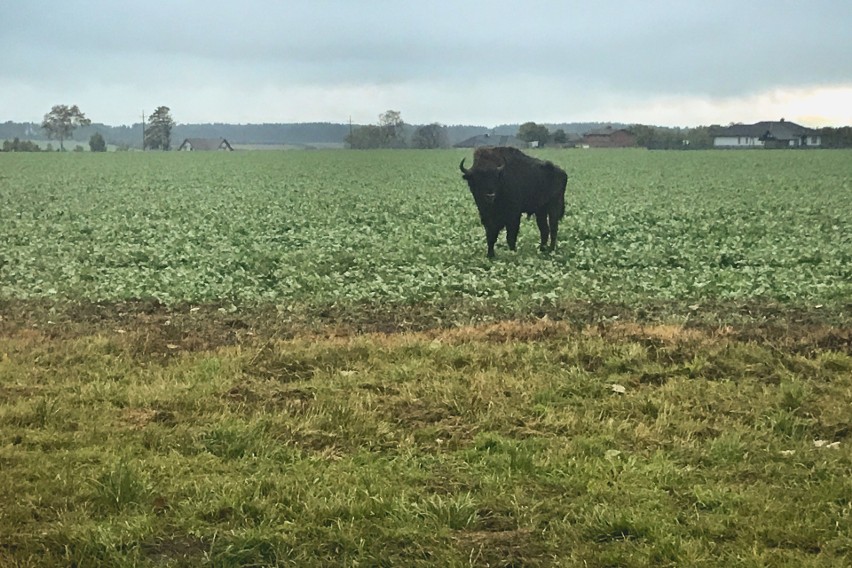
[(336, 228)]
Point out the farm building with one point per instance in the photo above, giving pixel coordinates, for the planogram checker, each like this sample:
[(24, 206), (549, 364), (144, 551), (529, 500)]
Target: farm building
[(766, 134), (609, 137), (492, 140), (204, 144)]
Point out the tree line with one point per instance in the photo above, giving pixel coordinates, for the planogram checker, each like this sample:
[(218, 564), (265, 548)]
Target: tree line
[(436, 135), (390, 131)]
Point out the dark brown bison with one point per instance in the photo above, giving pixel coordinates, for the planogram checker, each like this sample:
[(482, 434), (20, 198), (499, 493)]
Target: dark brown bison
[(506, 183)]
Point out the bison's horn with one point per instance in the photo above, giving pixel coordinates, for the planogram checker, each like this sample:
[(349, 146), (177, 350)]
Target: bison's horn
[(462, 168)]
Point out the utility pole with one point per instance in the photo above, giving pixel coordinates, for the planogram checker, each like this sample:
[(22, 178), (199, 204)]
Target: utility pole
[(143, 130)]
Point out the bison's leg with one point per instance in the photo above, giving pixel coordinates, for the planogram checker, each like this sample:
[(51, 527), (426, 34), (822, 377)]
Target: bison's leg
[(554, 228), (512, 229), (543, 228), (491, 234)]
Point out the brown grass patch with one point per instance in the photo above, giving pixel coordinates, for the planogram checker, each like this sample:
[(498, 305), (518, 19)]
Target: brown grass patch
[(149, 330), (505, 548), (139, 418)]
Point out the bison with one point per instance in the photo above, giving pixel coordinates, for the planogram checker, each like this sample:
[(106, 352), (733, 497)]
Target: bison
[(506, 183)]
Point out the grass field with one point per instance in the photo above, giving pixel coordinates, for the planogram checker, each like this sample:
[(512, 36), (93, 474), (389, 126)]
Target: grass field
[(304, 358)]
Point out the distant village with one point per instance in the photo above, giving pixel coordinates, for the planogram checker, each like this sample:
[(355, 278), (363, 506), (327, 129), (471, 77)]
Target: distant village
[(768, 134), (772, 134)]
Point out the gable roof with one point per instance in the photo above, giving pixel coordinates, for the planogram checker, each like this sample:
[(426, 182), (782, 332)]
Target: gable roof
[(492, 140), (767, 129), (205, 144)]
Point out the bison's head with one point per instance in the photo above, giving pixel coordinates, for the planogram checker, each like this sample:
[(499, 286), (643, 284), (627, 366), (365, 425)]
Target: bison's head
[(484, 183)]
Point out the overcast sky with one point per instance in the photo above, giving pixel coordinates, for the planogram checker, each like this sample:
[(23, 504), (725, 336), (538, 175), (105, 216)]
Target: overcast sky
[(675, 63)]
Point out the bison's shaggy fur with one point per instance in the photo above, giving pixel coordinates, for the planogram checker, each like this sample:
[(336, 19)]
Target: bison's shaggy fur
[(506, 183)]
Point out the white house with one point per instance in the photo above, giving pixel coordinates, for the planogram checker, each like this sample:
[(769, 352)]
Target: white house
[(766, 134)]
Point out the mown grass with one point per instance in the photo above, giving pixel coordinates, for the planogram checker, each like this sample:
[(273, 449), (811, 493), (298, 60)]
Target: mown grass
[(513, 444)]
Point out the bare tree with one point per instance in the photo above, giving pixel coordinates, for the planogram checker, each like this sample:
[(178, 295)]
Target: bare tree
[(392, 126)]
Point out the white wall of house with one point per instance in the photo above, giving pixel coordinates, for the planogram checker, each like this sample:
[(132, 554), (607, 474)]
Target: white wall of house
[(752, 142), (737, 142)]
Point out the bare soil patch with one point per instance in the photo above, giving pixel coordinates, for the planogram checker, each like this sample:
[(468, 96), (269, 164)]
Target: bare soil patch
[(157, 331)]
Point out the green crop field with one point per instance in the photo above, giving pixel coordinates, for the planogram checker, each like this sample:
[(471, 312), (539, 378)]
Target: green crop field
[(323, 228), (306, 359)]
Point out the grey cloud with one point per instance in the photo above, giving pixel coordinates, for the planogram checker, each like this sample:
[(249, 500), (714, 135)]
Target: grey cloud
[(656, 47)]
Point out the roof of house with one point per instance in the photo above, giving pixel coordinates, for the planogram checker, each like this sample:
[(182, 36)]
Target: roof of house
[(767, 129), (492, 140), (206, 143)]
